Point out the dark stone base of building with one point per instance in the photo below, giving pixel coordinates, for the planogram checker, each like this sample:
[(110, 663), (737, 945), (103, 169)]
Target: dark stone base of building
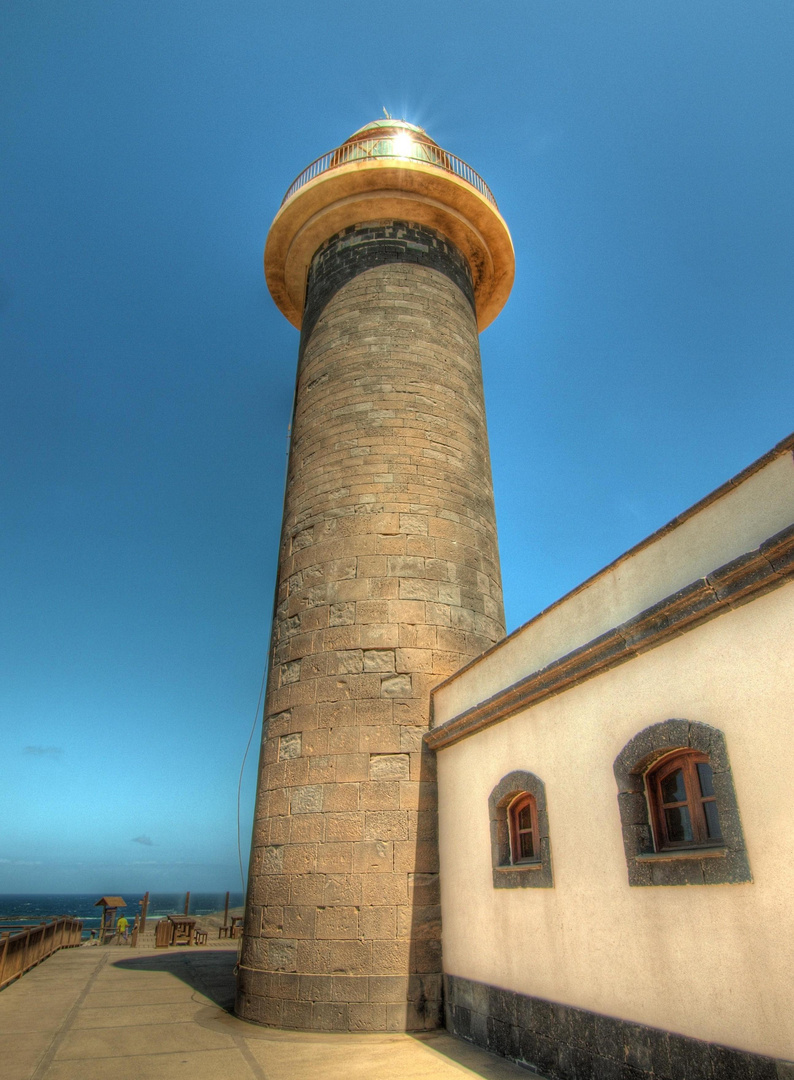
[(564, 1043)]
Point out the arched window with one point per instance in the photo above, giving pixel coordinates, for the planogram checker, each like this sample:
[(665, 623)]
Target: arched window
[(678, 810), (520, 842), (522, 817), (683, 802)]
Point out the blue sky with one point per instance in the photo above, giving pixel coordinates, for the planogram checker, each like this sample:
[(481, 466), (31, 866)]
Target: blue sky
[(642, 157)]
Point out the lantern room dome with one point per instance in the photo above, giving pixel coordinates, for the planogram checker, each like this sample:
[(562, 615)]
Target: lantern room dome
[(382, 127)]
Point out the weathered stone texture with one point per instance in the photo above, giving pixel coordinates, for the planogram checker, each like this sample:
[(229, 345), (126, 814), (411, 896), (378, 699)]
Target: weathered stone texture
[(569, 1043), (388, 582)]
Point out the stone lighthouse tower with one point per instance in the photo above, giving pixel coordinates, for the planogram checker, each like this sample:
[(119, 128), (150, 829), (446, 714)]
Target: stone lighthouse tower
[(390, 254)]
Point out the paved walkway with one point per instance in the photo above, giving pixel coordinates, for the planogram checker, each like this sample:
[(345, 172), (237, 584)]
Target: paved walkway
[(111, 1013)]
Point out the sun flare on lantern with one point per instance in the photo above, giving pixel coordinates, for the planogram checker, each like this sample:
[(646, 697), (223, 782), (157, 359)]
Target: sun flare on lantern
[(403, 144)]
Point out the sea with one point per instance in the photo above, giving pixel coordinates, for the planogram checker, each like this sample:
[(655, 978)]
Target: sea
[(18, 910)]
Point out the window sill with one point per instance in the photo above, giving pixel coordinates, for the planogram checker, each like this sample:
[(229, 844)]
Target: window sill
[(511, 869), (673, 854)]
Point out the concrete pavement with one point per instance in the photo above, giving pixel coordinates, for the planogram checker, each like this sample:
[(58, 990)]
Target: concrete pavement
[(113, 1013)]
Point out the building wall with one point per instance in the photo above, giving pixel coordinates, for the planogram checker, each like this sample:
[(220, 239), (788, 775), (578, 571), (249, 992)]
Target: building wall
[(712, 962)]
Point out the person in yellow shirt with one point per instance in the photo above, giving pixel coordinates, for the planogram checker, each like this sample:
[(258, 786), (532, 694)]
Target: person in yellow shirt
[(121, 926)]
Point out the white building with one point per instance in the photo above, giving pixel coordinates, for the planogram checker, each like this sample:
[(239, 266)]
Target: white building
[(616, 814)]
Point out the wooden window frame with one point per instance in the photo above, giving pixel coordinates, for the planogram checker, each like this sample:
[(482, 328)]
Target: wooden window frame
[(687, 761), (514, 809)]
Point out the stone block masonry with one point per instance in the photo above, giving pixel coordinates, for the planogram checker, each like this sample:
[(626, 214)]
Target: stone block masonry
[(388, 582)]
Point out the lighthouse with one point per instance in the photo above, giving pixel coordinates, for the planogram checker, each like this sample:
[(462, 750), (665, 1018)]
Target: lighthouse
[(390, 255)]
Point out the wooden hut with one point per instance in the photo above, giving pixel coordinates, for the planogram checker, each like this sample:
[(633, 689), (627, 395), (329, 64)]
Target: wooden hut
[(110, 906)]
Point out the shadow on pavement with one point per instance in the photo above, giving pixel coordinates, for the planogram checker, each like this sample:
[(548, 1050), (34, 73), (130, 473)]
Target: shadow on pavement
[(211, 973), (475, 1060)]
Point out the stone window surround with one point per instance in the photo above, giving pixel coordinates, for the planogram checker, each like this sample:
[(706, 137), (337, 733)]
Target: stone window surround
[(713, 865), (506, 875)]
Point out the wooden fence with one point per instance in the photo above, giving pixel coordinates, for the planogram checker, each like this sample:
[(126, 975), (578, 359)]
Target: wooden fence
[(21, 951)]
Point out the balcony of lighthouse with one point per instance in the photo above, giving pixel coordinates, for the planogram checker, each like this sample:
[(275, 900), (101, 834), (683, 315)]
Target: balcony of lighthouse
[(389, 170), (390, 139)]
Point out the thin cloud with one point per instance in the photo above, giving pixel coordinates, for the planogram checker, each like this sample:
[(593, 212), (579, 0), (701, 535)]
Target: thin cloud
[(43, 751), (145, 840)]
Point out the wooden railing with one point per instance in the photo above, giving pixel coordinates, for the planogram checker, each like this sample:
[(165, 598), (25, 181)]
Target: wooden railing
[(21, 951)]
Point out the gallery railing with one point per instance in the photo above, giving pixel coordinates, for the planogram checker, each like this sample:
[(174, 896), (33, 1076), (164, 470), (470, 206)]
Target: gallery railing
[(21, 951), (399, 147)]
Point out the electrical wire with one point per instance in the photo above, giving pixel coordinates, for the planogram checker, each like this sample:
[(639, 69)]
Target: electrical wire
[(260, 702), (242, 770)]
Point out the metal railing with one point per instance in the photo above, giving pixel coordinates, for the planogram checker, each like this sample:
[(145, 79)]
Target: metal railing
[(399, 147), (21, 951)]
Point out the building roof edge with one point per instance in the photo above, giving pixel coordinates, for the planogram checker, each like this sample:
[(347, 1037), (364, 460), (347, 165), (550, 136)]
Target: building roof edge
[(778, 450)]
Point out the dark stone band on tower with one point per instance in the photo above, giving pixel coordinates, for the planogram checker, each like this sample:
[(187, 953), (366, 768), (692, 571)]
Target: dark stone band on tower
[(359, 248)]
